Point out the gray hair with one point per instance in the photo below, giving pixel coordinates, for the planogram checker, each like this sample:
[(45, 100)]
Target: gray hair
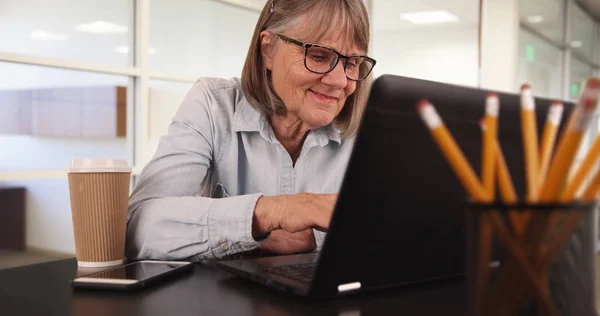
[(325, 16)]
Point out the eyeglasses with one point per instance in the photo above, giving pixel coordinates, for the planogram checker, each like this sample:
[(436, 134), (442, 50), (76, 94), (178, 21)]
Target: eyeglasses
[(322, 59)]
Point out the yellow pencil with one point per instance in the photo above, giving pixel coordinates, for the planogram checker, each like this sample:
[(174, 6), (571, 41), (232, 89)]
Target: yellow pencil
[(549, 138), (537, 228), (488, 155), (560, 166), (555, 183), (506, 187), (530, 142), (469, 181), (590, 195), (570, 141), (453, 154), (573, 186), (488, 168), (576, 182), (551, 249), (505, 183)]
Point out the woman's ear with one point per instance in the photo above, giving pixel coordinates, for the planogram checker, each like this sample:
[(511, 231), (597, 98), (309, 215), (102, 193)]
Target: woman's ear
[(267, 43)]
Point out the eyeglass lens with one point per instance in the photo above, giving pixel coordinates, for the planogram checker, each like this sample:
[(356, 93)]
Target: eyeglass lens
[(323, 60)]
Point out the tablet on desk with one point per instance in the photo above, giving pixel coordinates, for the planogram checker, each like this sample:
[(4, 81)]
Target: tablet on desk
[(133, 275)]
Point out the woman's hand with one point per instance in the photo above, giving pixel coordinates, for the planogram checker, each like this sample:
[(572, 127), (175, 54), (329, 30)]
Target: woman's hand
[(282, 242), (292, 213)]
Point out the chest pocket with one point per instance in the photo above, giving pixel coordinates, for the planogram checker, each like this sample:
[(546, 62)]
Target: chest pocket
[(219, 192)]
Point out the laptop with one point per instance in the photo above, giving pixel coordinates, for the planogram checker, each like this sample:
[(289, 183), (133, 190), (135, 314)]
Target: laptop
[(399, 217)]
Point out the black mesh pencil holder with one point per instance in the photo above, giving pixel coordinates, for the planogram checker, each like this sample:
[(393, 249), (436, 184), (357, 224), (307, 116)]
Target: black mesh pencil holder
[(531, 259)]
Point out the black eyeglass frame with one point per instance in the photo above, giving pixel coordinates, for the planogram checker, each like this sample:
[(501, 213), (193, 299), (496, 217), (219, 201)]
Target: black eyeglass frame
[(306, 46)]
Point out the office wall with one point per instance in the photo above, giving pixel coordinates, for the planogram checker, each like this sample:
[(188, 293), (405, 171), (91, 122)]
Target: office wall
[(165, 98), (442, 46), (49, 29), (500, 39), (199, 38), (447, 54), (540, 65)]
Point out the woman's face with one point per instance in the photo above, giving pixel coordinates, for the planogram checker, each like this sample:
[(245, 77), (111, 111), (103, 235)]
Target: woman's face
[(315, 99)]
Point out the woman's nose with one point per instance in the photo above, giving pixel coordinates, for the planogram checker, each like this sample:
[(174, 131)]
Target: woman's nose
[(336, 77)]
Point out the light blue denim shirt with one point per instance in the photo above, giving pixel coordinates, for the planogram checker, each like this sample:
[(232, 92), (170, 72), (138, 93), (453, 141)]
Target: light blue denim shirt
[(195, 198)]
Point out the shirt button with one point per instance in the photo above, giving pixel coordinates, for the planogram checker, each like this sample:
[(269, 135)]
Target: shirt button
[(224, 246)]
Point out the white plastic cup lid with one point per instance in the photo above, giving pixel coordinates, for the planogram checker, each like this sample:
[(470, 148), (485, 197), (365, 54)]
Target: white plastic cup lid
[(99, 165)]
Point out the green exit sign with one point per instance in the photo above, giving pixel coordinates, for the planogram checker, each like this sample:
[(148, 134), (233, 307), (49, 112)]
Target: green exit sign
[(530, 53), (574, 90)]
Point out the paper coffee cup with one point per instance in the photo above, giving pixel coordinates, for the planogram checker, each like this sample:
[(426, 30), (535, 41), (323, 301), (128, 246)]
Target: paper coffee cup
[(99, 192)]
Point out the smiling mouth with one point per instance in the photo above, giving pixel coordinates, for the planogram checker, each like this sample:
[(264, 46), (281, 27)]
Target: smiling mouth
[(323, 96)]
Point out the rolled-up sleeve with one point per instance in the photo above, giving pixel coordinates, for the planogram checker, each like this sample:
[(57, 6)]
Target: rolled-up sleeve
[(168, 219)]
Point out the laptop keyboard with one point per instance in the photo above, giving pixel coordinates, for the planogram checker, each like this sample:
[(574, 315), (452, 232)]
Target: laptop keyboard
[(299, 272)]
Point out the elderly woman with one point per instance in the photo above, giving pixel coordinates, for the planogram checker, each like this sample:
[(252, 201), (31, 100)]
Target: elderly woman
[(256, 163)]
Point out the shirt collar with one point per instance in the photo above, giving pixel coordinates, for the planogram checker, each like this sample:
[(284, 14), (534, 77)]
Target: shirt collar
[(248, 119), (324, 134)]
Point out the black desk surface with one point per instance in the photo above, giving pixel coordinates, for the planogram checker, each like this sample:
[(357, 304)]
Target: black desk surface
[(44, 289)]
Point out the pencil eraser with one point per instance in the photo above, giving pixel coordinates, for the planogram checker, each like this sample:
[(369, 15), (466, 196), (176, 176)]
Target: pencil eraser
[(594, 83), (588, 103), (429, 114), (422, 104), (556, 103), (555, 113), (527, 100), (492, 95), (525, 86), (492, 106)]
